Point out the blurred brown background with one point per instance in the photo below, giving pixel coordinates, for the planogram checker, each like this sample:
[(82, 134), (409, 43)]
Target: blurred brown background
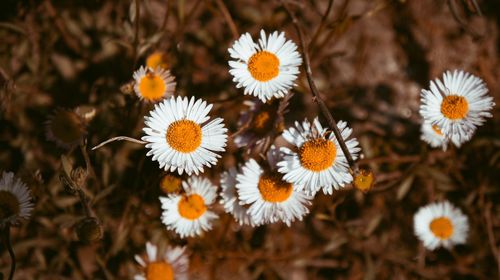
[(370, 60)]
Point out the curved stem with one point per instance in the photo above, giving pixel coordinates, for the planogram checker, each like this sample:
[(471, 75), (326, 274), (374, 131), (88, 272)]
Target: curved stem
[(119, 138), (6, 241)]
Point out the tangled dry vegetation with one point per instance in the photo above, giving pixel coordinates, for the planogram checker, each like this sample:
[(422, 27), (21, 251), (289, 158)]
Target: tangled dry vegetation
[(369, 59)]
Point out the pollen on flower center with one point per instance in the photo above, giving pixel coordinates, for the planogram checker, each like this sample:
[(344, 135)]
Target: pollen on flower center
[(454, 107), (437, 130), (264, 66), (192, 206), (442, 227), (9, 205), (159, 271), (184, 136), (317, 154), (273, 188), (152, 87)]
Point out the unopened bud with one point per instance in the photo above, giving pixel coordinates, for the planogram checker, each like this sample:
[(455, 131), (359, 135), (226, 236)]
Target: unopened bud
[(89, 230), (364, 180)]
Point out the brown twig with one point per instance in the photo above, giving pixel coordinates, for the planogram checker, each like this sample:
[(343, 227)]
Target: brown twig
[(491, 235), (228, 18), (316, 95), (322, 23), (167, 13), (6, 241), (119, 138), (136, 31)]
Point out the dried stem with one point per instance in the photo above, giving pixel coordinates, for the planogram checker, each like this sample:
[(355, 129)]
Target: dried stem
[(167, 13), (316, 95), (491, 235), (228, 18), (119, 138), (136, 31), (6, 241), (322, 24)]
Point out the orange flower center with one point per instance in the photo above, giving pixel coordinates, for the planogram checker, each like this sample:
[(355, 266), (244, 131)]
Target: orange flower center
[(159, 271), (317, 154), (454, 107), (264, 66), (170, 184), (152, 86), (273, 188), (157, 59), (184, 136), (442, 228), (192, 206), (9, 205), (437, 130)]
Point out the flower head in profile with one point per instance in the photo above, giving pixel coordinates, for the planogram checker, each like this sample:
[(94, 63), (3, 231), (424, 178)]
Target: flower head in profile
[(317, 162), (230, 198), (270, 198), (267, 69), (457, 105), (170, 264), (188, 214), (153, 84), (181, 137), (15, 200), (66, 128), (440, 224), (260, 123), (157, 60), (433, 136)]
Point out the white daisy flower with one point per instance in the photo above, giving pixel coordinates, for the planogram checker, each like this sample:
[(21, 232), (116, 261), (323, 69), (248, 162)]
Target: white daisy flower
[(440, 224), (15, 200), (230, 199), (171, 264), (153, 84), (433, 136), (188, 214), (458, 105), (318, 163), (267, 69), (180, 137), (269, 197)]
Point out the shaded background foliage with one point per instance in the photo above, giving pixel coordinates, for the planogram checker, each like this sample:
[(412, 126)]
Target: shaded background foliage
[(369, 58)]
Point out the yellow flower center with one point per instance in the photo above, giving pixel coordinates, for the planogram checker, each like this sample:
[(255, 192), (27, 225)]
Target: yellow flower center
[(9, 205), (442, 228), (157, 59), (159, 271), (437, 130), (273, 188), (192, 206), (184, 136), (317, 154), (170, 184), (67, 127), (152, 86), (454, 107), (264, 66)]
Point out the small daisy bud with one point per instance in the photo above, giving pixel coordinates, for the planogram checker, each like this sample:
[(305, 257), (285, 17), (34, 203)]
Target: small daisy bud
[(88, 230), (363, 181), (170, 184), (157, 59)]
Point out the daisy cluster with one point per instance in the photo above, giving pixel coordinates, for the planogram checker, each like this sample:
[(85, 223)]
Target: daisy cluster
[(279, 184)]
